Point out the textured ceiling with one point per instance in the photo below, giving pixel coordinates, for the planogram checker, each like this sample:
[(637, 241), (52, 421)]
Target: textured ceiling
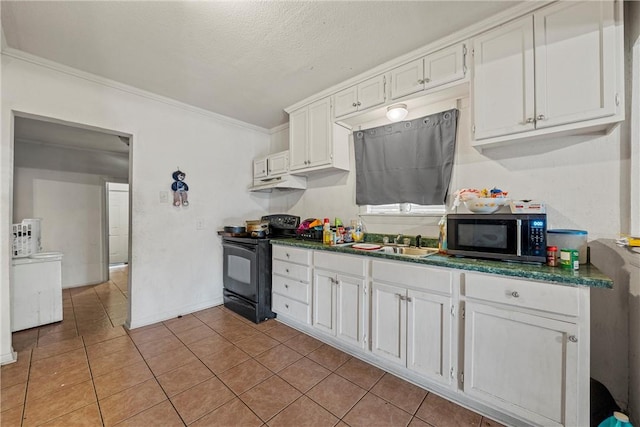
[(243, 59)]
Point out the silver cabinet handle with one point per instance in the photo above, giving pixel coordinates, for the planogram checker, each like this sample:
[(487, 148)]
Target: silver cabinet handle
[(408, 299), (354, 104), (573, 338), (530, 120), (541, 117), (427, 80), (332, 280), (421, 81), (359, 103), (515, 294), (400, 296)]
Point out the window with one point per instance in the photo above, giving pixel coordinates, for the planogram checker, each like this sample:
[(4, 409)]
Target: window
[(404, 209)]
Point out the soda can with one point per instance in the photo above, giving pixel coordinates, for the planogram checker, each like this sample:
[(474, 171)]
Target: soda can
[(569, 259)]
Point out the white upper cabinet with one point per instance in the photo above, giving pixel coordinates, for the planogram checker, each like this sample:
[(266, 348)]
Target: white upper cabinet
[(433, 70), (551, 68), (575, 62), (503, 80), (260, 168), (278, 164), (315, 143), (271, 166), (367, 94)]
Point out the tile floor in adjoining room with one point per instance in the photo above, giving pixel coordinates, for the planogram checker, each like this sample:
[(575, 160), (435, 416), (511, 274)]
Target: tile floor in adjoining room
[(210, 368)]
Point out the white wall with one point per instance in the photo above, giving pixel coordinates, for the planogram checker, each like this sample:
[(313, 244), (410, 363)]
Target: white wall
[(71, 208), (175, 268)]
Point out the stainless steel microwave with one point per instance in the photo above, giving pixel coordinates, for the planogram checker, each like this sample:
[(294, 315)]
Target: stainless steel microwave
[(510, 237)]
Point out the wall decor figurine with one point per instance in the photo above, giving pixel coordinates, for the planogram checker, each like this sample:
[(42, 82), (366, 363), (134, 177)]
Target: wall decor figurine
[(180, 189)]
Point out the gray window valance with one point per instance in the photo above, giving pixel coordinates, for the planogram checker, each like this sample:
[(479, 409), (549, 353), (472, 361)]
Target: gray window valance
[(406, 162)]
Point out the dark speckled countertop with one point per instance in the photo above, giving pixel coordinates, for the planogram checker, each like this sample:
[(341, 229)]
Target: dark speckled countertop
[(588, 275)]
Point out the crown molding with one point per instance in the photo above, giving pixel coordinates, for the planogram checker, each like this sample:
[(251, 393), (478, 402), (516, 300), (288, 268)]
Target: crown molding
[(55, 66), (279, 128), (444, 42)]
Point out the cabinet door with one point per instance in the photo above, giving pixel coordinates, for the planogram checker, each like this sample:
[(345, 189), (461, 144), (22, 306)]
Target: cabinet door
[(575, 62), (345, 102), (503, 80), (429, 335), (349, 306), (444, 66), (259, 168), (389, 322), (298, 138), (407, 79), (319, 143), (324, 301), (371, 93), (523, 363), (278, 164)]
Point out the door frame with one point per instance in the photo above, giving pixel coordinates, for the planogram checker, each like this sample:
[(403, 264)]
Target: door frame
[(105, 223)]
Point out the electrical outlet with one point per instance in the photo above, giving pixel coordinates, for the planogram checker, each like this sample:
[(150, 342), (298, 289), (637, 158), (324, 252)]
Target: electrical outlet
[(200, 224), (164, 197)]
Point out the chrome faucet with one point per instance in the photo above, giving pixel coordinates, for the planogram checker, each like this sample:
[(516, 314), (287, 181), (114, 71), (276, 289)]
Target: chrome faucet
[(398, 239)]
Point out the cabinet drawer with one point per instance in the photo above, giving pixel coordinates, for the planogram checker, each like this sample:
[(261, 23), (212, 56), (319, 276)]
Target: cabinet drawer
[(292, 289), (287, 307), (292, 271), (403, 273), (353, 265), (535, 295), (285, 253)]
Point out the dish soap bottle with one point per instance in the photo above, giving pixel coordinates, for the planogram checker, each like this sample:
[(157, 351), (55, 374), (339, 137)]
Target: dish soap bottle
[(327, 237)]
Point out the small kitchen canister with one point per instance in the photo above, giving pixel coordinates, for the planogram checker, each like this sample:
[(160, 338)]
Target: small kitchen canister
[(569, 239), (552, 256), (569, 259)]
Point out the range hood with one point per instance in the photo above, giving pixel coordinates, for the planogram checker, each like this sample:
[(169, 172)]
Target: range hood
[(282, 182)]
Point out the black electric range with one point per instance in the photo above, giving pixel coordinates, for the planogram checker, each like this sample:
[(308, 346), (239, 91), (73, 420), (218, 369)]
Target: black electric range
[(247, 268)]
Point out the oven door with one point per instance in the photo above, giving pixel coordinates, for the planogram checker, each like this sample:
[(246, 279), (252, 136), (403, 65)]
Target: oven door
[(240, 269), (490, 237)]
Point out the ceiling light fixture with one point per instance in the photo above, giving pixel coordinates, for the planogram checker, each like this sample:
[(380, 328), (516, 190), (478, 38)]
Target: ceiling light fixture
[(397, 112)]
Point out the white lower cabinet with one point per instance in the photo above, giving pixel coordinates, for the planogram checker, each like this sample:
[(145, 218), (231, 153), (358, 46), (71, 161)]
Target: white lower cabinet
[(516, 350), (339, 298), (411, 327), (530, 363), (291, 283)]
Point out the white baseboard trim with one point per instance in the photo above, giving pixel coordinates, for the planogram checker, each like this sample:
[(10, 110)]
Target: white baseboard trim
[(180, 311), (10, 357)]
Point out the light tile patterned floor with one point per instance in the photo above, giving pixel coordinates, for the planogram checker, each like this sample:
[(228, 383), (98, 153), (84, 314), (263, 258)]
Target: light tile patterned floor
[(210, 368)]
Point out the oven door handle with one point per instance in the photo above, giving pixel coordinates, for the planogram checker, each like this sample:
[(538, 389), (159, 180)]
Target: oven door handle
[(519, 237)]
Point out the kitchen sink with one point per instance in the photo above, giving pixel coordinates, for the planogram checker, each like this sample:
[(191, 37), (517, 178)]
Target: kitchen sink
[(409, 251)]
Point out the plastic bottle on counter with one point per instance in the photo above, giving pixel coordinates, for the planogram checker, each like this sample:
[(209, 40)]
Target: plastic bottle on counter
[(327, 235), (442, 235)]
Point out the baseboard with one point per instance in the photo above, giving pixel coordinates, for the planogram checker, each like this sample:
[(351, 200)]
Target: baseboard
[(181, 311), (10, 357)]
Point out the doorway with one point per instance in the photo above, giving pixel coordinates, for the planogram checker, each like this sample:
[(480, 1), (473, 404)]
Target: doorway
[(60, 170)]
